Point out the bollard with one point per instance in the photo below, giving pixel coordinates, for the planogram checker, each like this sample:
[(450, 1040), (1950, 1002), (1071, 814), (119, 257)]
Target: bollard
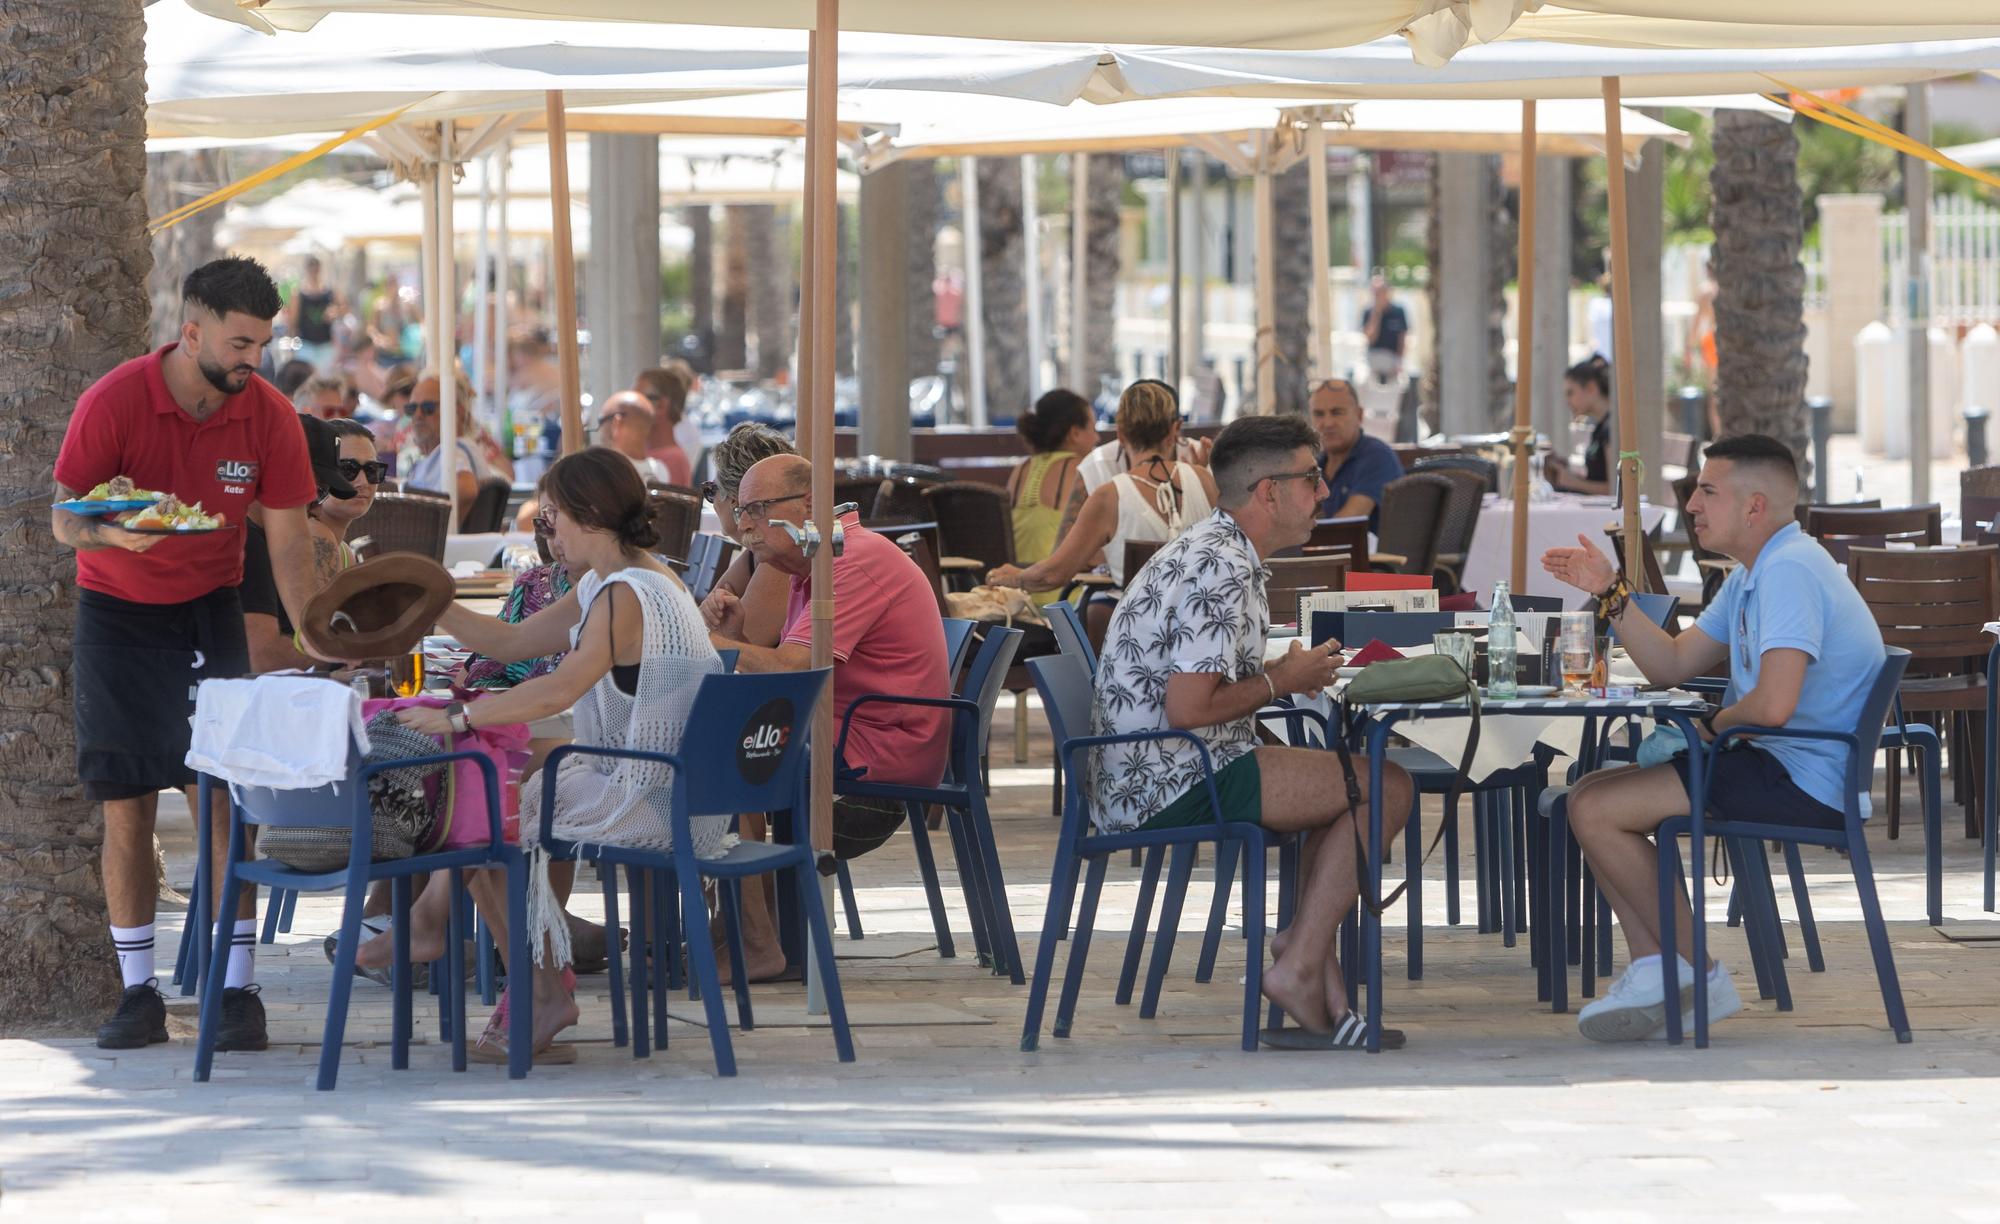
[(1694, 412), (1819, 410), (1975, 436)]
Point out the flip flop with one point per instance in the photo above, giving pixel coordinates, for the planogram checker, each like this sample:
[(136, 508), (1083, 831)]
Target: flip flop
[(376, 925), (491, 1047), (1350, 1034)]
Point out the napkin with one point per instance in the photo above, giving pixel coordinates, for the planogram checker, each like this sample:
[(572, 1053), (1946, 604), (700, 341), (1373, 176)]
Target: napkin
[(1464, 601), (1374, 652)]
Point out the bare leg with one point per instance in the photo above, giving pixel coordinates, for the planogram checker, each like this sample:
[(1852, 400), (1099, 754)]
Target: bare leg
[(763, 957), (131, 888), (1613, 813), (555, 1009), (1303, 789), (430, 918)]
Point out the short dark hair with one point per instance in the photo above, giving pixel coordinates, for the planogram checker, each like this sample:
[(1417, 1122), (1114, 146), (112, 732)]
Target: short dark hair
[(1053, 417), (237, 284), (600, 488), (348, 427), (1248, 448), (1592, 371), (1760, 451)]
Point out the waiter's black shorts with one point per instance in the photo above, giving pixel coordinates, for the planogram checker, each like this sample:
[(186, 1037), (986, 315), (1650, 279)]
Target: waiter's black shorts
[(133, 678)]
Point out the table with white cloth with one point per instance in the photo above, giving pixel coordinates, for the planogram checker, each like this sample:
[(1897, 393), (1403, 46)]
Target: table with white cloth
[(484, 546), (1551, 524)]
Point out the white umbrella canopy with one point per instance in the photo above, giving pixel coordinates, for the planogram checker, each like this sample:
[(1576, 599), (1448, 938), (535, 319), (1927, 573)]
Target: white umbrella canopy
[(693, 170), (1435, 30), (210, 78), (986, 127)]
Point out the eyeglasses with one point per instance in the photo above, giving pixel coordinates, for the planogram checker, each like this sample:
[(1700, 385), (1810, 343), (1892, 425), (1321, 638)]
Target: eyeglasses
[(1309, 473), (759, 511), (373, 469), (423, 407), (545, 521), (709, 491), (616, 414)]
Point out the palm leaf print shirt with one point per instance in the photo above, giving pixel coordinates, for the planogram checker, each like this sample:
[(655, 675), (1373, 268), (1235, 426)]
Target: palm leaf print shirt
[(1198, 606)]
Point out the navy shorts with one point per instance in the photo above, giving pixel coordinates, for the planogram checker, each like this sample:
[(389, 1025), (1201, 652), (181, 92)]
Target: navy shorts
[(1751, 785)]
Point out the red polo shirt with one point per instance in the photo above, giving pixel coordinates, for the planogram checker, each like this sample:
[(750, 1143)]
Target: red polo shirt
[(251, 450)]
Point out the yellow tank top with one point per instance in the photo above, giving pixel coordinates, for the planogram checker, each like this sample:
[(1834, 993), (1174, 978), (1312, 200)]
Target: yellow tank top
[(1036, 526)]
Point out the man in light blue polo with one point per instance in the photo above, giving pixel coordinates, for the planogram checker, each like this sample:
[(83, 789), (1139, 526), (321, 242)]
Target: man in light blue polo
[(1801, 650)]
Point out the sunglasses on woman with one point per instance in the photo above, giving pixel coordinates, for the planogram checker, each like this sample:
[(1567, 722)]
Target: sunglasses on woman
[(374, 469)]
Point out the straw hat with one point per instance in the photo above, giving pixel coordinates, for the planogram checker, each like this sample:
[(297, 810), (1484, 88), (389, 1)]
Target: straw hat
[(378, 609)]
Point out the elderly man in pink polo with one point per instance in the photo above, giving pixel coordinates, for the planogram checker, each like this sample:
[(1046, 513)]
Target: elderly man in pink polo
[(887, 638)]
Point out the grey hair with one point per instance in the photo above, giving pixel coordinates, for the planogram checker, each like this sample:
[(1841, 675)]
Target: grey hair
[(746, 445), (1251, 448)]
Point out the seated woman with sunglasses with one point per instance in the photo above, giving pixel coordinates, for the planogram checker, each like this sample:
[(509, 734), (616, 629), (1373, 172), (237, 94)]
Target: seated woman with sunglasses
[(637, 651), (265, 623)]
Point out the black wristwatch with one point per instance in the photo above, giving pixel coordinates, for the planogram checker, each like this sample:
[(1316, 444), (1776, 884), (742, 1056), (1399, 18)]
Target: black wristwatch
[(455, 714), (1708, 719)]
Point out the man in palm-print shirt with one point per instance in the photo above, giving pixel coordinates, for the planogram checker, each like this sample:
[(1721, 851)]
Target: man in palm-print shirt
[(1185, 651)]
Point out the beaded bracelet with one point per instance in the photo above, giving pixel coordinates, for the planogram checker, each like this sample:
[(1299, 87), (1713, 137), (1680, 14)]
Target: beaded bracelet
[(1611, 602)]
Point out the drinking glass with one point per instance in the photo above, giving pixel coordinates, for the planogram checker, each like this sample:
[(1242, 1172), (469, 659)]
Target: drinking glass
[(1458, 647), (1578, 632), (406, 673)]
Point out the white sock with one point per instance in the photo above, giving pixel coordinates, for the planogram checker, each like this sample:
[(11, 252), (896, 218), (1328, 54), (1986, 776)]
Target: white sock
[(135, 953), (242, 954)]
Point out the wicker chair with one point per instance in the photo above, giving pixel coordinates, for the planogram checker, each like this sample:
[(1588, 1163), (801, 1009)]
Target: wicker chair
[(407, 522), (1412, 516), (487, 512), (1461, 520), (676, 517), (1347, 536), (1487, 470), (975, 520), (863, 491), (1978, 498)]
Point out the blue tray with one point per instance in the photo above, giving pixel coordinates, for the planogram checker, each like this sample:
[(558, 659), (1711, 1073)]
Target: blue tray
[(98, 509)]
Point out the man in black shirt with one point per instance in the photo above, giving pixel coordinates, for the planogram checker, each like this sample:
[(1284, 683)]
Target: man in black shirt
[(1387, 327)]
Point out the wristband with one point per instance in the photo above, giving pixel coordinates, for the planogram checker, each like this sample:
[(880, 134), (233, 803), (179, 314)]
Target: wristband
[(1272, 685), (1612, 601)]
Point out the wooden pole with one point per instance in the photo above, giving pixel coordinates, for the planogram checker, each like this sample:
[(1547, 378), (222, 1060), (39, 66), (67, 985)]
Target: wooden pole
[(1524, 348), (447, 316), (1621, 335), (972, 240), (567, 359), (819, 302)]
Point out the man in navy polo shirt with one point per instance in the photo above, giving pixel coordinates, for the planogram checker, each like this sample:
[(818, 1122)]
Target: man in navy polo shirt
[(1355, 466), (157, 614), (1801, 650)]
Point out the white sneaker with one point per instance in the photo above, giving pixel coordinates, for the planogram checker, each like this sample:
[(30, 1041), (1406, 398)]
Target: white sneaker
[(1723, 1002), (1636, 1004)]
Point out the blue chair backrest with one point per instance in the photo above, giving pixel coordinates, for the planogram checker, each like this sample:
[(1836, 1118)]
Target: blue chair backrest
[(1391, 628), (1064, 684), (957, 638), (728, 656), (988, 671), (1875, 707), (1535, 603), (330, 806), (1659, 609), (1070, 636), (747, 732)]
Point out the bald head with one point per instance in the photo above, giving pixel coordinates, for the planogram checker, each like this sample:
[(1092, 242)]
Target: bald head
[(624, 423), (777, 476)]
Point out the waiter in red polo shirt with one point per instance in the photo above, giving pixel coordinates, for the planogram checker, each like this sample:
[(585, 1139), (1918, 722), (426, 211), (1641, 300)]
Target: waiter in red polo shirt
[(157, 614)]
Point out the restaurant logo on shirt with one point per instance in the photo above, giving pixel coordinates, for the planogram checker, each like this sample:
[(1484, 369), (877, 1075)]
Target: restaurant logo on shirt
[(763, 742), (235, 473)]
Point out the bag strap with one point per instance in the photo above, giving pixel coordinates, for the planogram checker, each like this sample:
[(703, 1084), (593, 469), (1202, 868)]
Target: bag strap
[(1354, 801)]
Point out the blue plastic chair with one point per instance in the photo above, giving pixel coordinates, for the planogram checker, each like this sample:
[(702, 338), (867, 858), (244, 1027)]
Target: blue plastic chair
[(346, 803), (1064, 684), (963, 796), (734, 719), (1760, 909), (1071, 638)]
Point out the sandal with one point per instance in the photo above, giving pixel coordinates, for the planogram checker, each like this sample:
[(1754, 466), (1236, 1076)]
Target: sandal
[(1350, 1034), (491, 1045)]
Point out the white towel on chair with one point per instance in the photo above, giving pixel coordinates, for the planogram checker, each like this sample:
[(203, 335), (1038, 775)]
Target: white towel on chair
[(286, 731)]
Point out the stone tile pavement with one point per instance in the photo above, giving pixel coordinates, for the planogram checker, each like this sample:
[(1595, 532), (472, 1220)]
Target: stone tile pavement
[(1496, 1109)]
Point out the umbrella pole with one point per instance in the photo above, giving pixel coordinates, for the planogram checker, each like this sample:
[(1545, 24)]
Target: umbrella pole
[(1322, 294), (1267, 283), (1524, 347), (503, 317), (972, 239), (821, 85), (447, 315), (427, 262), (1621, 335), (567, 360)]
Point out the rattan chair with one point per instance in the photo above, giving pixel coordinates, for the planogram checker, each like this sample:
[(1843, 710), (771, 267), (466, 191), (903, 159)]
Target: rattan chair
[(487, 512), (407, 522), (1842, 529), (1487, 470), (975, 520), (1412, 516), (676, 518), (1461, 521)]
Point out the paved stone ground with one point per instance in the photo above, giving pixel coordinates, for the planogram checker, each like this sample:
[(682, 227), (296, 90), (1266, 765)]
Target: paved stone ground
[(1496, 1108)]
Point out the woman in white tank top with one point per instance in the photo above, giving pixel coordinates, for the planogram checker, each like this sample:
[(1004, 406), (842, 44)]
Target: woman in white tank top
[(1152, 503)]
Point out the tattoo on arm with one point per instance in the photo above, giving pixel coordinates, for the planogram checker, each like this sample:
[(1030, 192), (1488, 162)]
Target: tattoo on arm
[(81, 533), (326, 559)]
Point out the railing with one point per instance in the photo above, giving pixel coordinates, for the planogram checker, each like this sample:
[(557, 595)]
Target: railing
[(1965, 264)]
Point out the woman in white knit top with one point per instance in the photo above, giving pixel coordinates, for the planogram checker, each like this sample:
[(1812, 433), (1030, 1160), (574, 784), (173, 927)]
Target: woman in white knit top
[(637, 650)]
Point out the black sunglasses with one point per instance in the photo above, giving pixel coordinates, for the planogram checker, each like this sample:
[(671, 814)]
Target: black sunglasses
[(373, 469), (424, 407), (709, 491)]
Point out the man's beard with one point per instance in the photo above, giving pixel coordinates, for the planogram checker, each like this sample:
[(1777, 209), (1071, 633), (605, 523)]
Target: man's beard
[(219, 376)]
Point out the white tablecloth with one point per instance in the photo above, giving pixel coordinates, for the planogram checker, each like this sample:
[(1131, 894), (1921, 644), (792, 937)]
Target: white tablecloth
[(1550, 525), (481, 546)]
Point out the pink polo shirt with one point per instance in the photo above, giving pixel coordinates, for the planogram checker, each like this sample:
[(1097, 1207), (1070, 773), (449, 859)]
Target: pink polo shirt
[(887, 638)]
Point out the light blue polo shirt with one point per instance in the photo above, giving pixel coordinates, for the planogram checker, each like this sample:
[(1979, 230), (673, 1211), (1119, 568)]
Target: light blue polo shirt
[(1796, 595)]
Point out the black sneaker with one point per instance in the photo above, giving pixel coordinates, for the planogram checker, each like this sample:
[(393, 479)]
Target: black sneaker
[(140, 1021), (242, 1026)]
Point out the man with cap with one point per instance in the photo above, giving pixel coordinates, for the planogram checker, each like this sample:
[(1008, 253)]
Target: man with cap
[(266, 627), (156, 615)]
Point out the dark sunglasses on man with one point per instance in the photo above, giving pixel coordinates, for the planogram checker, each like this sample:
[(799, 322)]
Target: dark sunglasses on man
[(423, 407), (374, 469)]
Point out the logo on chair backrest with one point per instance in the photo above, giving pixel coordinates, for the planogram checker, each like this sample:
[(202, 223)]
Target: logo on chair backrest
[(763, 742)]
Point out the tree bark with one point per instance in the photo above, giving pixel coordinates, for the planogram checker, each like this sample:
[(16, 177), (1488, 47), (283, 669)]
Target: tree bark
[(74, 260), (925, 208), (701, 283), (1100, 327), (844, 290), (1291, 234), (172, 179), (1502, 254), (732, 351), (1760, 331), (770, 279), (1003, 282)]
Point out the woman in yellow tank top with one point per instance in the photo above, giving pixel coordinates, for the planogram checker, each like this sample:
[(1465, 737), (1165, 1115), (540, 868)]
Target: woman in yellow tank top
[(1061, 429)]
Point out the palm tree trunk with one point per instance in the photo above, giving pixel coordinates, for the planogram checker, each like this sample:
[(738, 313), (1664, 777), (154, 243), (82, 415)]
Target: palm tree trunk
[(1003, 284), (732, 329), (1291, 233), (72, 183), (770, 276), (1760, 331), (701, 283), (926, 207), (1101, 218), (1502, 254), (172, 179), (844, 287)]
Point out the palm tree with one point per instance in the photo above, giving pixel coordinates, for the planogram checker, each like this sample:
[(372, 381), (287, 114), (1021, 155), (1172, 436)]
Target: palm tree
[(1003, 283), (770, 283), (926, 205), (1107, 192), (732, 326), (1291, 233), (1760, 331), (701, 281), (72, 178)]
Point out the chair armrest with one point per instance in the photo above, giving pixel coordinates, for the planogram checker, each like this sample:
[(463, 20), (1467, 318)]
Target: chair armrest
[(1070, 748), (960, 704), (1294, 714), (556, 758), (1387, 558), (961, 564)]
